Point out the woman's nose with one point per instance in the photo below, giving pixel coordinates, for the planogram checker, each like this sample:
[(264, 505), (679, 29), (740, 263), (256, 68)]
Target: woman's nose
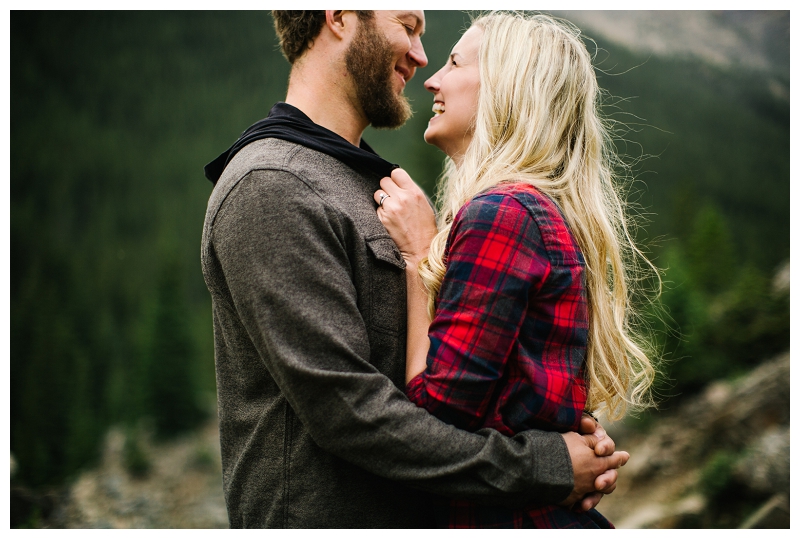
[(432, 84)]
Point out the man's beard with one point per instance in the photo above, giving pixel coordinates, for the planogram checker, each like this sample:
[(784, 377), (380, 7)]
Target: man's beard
[(369, 62)]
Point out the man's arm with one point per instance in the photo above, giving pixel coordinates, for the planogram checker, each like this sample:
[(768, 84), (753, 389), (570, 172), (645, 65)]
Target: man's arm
[(284, 256)]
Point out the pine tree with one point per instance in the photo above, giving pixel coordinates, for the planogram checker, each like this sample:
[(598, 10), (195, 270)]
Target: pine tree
[(172, 399)]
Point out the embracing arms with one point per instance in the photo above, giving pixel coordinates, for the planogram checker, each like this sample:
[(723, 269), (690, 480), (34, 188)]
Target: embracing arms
[(285, 256)]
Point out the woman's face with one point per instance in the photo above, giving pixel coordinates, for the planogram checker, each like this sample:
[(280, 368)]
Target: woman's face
[(455, 97)]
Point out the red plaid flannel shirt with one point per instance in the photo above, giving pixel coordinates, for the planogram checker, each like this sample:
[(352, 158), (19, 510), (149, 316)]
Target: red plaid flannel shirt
[(508, 341)]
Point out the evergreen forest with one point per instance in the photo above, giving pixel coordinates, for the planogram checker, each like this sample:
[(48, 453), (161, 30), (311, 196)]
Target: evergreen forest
[(115, 113)]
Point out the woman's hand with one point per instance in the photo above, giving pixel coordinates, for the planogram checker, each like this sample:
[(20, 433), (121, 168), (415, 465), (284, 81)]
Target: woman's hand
[(408, 217)]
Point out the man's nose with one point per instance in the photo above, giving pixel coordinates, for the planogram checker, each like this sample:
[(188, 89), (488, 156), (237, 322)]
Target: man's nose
[(417, 53)]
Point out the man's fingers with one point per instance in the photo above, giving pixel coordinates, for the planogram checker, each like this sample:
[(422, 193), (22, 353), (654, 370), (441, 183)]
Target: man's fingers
[(588, 424), (590, 440), (596, 437), (590, 501), (618, 459), (599, 431), (605, 446), (593, 474), (606, 482)]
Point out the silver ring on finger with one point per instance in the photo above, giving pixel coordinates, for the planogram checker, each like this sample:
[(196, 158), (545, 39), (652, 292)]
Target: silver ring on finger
[(384, 196)]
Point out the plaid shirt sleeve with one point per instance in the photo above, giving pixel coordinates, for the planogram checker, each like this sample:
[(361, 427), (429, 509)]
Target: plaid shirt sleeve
[(496, 259)]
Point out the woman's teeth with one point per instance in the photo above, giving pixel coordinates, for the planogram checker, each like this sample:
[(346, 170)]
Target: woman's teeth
[(438, 108)]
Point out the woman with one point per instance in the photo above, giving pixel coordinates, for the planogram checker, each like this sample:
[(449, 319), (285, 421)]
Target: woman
[(518, 305)]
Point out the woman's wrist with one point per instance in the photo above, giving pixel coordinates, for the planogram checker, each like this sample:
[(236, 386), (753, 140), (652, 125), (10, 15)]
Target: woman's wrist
[(413, 260)]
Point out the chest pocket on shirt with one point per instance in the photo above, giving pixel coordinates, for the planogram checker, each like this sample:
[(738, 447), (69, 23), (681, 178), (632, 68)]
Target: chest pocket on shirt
[(387, 285)]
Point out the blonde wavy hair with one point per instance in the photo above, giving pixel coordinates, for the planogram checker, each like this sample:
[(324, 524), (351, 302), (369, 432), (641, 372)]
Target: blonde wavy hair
[(538, 122)]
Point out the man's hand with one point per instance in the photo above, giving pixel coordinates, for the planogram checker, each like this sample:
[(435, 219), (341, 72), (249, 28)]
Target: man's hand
[(604, 446), (594, 464)]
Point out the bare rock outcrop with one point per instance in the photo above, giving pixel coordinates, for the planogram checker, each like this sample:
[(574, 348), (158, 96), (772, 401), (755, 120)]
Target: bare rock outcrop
[(181, 487), (713, 462)]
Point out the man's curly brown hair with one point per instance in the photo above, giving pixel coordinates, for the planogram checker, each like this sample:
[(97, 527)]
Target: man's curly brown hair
[(297, 29)]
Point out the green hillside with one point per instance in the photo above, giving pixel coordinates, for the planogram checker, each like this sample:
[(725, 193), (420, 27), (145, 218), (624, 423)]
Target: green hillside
[(114, 114)]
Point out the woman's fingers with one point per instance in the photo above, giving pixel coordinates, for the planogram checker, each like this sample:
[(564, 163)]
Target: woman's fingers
[(405, 212), (388, 185), (380, 196), (398, 182), (402, 179), (401, 187)]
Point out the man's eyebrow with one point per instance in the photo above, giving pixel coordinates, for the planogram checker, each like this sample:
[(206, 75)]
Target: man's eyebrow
[(420, 22)]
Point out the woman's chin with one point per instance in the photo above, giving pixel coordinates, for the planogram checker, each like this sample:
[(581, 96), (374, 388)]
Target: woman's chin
[(431, 139)]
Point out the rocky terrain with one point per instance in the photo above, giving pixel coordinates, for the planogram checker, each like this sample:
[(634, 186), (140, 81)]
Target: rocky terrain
[(721, 460), (177, 484)]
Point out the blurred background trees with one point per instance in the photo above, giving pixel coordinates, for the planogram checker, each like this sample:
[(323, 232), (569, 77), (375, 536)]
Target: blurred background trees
[(114, 114)]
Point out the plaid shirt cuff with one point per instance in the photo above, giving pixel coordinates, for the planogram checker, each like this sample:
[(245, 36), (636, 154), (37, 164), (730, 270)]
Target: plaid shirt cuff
[(415, 391)]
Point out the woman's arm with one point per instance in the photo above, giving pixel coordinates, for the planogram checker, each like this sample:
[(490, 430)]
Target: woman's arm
[(410, 222), (409, 219), (495, 262), (417, 341)]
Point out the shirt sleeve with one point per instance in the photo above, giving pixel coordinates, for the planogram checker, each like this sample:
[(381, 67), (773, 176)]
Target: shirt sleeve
[(496, 260), (291, 286)]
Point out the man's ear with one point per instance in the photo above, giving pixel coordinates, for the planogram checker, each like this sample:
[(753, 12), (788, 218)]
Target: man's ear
[(334, 20)]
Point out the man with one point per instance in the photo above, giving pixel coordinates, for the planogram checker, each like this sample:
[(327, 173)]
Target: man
[(308, 295)]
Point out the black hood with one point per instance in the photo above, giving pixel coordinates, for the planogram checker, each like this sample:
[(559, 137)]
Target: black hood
[(288, 123)]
